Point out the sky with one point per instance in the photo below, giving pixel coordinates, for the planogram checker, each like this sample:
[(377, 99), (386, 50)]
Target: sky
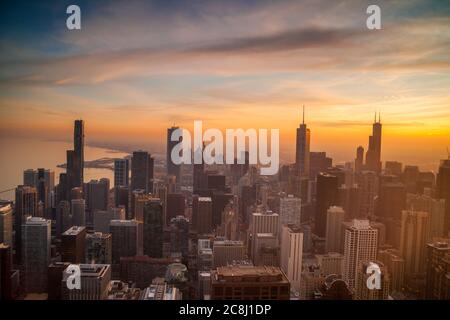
[(137, 67)]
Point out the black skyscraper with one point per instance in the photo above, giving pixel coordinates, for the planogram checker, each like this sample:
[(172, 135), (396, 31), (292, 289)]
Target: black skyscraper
[(142, 171), (327, 196), (153, 228)]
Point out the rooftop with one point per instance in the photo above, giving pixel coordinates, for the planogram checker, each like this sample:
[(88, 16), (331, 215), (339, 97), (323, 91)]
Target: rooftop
[(244, 273)]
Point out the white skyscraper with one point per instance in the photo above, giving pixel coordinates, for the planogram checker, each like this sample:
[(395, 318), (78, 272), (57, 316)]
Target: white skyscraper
[(36, 237), (267, 222), (360, 244), (292, 255)]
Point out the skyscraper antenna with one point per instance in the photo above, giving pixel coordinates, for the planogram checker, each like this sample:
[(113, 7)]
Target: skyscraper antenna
[(379, 116), (375, 117), (303, 114), (448, 153)]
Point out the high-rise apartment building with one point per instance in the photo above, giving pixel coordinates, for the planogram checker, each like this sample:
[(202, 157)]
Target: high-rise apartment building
[(360, 244), (443, 190), (291, 255), (121, 172), (26, 204), (36, 237)]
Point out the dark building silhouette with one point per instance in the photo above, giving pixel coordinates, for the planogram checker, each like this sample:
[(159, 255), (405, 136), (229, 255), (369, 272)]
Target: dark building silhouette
[(443, 189), (176, 203), (327, 195), (319, 162), (373, 155), (121, 172), (55, 276), (179, 236), (142, 166), (302, 148), (153, 228), (73, 245), (5, 272)]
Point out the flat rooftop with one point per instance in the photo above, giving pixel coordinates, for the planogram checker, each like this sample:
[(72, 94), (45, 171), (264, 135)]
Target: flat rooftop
[(244, 273), (73, 231)]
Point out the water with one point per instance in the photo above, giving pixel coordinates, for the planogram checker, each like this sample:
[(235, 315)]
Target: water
[(19, 154)]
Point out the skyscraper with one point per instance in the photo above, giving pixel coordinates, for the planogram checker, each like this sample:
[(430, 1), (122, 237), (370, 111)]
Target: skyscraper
[(172, 168), (78, 210), (5, 272), (6, 224), (368, 184), (333, 236), (97, 192), (437, 270), (443, 189), (78, 141), (291, 255), (373, 155), (124, 239), (359, 160), (413, 238), (153, 229), (360, 244), (290, 210), (363, 292), (94, 283), (36, 237), (327, 196), (202, 211), (98, 248), (26, 204), (142, 165), (73, 245), (121, 172), (302, 148)]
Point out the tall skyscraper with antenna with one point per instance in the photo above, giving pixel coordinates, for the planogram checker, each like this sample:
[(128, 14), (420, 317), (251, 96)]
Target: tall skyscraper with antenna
[(302, 148), (373, 155)]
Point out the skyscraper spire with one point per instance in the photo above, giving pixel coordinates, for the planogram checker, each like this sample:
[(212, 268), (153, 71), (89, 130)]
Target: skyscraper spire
[(375, 118), (303, 114), (379, 116)]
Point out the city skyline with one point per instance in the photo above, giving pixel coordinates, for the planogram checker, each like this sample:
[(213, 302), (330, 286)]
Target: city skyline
[(225, 150), (248, 64)]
